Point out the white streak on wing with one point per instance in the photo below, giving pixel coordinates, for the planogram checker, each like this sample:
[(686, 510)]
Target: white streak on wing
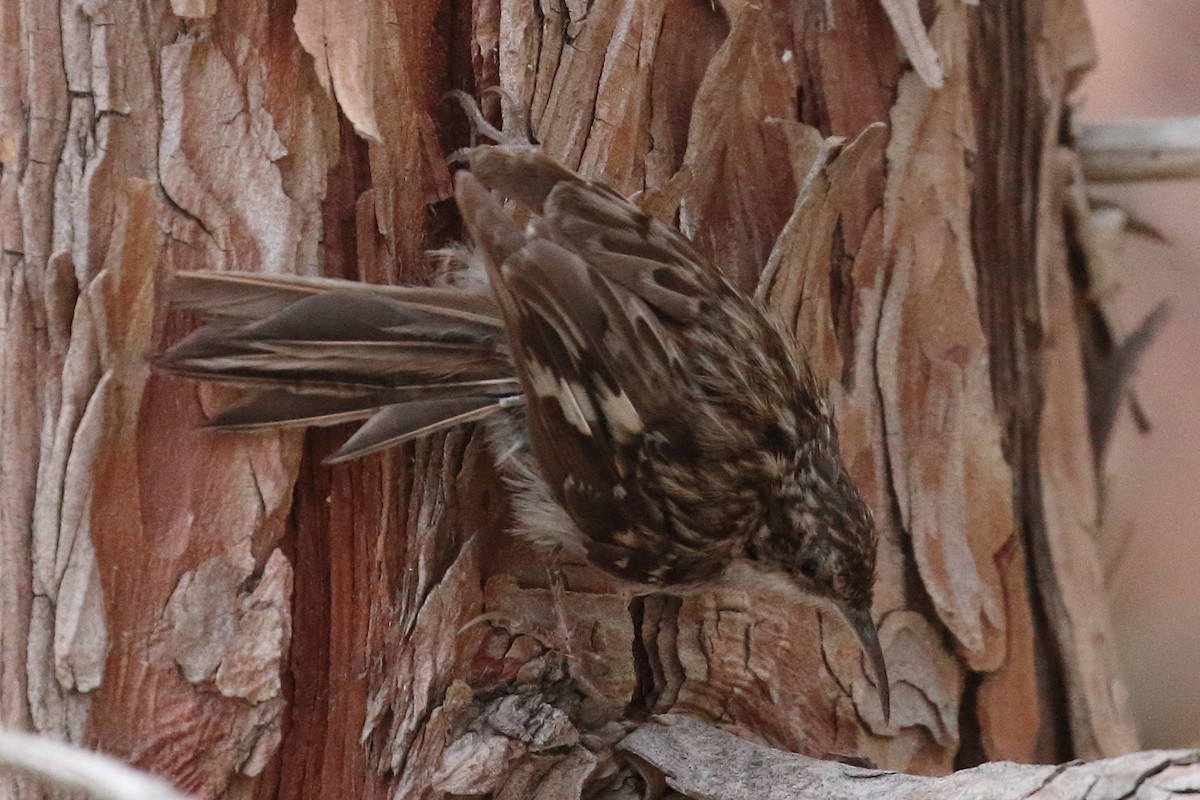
[(626, 539), (624, 422), (576, 406)]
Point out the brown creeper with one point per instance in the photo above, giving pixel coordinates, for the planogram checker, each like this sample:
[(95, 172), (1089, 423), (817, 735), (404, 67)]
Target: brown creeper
[(647, 413)]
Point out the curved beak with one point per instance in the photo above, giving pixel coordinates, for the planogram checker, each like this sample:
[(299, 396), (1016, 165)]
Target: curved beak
[(860, 620)]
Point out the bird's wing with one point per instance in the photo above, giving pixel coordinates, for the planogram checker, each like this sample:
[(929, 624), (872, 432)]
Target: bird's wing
[(592, 291)]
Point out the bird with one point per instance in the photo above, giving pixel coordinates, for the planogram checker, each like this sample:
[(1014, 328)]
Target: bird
[(646, 413)]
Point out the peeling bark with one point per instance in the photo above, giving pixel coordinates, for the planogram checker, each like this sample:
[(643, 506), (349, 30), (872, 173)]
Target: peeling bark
[(226, 612), (699, 761)]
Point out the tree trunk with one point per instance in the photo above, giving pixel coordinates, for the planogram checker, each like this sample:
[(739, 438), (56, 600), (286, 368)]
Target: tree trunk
[(230, 614)]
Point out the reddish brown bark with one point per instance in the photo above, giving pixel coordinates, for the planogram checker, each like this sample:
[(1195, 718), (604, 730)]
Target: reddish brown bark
[(230, 614)]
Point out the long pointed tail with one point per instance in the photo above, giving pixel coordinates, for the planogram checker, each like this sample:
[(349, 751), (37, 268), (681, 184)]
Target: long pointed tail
[(318, 351)]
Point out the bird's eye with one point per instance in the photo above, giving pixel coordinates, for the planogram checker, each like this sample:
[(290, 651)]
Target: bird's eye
[(752, 551), (809, 568)]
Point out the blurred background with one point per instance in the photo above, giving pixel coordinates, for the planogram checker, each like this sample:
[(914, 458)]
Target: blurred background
[(1151, 537)]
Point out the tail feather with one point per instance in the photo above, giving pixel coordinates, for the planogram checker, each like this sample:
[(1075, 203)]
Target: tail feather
[(247, 297), (351, 316), (234, 357), (313, 351), (375, 363), (277, 409), (396, 424)]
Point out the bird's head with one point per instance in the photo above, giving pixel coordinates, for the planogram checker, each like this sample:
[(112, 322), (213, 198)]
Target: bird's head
[(820, 536)]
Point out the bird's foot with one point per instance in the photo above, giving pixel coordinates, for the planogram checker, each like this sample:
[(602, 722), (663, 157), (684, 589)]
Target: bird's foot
[(516, 130)]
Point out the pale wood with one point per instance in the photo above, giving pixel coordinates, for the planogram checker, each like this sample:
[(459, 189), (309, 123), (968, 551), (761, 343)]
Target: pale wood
[(62, 766), (694, 760), (699, 761), (1125, 151)]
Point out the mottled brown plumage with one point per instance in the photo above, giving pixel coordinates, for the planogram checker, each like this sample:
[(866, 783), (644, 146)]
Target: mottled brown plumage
[(648, 414)]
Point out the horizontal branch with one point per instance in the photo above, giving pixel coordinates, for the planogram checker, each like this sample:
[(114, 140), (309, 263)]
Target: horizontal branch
[(1140, 150), (700, 761), (69, 767)]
